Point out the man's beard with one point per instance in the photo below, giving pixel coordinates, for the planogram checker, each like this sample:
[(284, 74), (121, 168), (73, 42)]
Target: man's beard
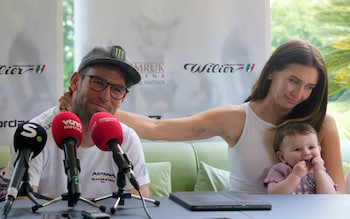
[(81, 112)]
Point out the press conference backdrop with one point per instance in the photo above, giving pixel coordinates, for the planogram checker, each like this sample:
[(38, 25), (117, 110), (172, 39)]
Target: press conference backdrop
[(31, 70), (192, 55)]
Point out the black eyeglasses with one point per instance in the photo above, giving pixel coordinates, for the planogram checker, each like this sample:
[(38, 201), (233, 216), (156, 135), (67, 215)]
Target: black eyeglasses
[(97, 84)]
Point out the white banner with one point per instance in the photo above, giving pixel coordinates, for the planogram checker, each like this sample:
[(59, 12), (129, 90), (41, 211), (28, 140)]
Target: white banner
[(192, 55), (31, 73)]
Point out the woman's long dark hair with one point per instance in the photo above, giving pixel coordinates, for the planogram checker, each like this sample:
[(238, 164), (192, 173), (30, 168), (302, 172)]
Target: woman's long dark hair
[(296, 51)]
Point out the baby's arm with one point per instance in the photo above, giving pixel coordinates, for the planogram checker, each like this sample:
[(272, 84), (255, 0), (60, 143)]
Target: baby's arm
[(322, 180), (289, 184)]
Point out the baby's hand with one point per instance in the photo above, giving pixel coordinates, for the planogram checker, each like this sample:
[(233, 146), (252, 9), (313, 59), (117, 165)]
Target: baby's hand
[(317, 163), (300, 169)]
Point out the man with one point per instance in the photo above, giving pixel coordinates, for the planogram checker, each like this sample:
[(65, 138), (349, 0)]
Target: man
[(100, 85)]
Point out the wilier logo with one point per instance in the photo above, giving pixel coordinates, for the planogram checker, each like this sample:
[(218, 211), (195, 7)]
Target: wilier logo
[(218, 68), (21, 69)]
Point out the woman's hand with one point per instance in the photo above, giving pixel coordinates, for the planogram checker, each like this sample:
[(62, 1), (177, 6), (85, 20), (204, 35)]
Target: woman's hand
[(64, 102)]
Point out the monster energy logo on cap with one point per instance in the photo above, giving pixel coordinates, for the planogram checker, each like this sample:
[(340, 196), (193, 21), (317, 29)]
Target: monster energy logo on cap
[(112, 55), (119, 53)]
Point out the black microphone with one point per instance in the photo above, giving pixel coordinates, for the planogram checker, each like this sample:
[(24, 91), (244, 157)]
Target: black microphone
[(107, 134), (29, 140), (122, 161), (67, 133)]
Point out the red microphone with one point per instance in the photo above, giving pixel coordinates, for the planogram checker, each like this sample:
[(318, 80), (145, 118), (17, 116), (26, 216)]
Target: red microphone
[(67, 133), (105, 127), (107, 134), (66, 125)]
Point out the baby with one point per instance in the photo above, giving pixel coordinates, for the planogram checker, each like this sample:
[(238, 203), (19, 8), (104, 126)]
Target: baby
[(301, 170)]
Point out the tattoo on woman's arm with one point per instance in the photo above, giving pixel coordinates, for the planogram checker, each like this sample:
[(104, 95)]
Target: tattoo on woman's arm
[(198, 131)]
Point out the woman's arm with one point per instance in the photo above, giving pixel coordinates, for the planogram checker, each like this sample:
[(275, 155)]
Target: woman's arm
[(226, 122), (331, 154)]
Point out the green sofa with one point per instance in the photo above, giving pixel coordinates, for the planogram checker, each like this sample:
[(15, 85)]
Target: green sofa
[(191, 166)]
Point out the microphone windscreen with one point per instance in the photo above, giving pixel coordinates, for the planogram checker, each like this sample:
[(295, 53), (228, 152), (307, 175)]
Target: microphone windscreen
[(103, 128), (30, 135), (66, 125)]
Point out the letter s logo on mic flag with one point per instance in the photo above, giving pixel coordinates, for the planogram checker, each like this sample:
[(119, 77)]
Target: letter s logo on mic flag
[(30, 135)]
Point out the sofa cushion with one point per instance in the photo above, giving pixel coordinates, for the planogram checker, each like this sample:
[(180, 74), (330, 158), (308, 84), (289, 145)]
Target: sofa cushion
[(182, 159), (160, 175), (210, 178), (213, 153)]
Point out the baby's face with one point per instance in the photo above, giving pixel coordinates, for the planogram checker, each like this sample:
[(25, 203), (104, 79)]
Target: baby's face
[(299, 147)]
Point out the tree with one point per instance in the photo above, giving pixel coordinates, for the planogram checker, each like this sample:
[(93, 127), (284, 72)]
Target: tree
[(334, 21), (294, 19), (68, 40)]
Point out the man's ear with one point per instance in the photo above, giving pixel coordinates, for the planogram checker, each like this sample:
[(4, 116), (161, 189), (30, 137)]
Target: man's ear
[(74, 81), (122, 100)]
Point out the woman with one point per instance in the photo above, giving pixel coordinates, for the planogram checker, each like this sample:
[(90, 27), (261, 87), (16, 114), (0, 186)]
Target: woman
[(293, 85)]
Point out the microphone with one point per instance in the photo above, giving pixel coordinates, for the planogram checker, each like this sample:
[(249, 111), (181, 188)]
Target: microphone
[(29, 140), (107, 134), (67, 134)]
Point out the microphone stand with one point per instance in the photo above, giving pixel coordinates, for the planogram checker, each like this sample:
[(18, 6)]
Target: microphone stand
[(73, 194), (27, 190), (121, 195)]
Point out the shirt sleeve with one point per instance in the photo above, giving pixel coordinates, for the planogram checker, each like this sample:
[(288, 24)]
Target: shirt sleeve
[(277, 173)]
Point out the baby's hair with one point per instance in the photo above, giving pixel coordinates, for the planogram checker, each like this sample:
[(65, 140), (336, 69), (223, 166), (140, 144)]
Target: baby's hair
[(291, 129)]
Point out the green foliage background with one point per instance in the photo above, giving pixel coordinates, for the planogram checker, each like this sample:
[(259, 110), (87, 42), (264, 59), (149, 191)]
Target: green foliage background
[(68, 40)]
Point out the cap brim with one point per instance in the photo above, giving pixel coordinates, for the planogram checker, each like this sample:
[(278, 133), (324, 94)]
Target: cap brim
[(132, 75)]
